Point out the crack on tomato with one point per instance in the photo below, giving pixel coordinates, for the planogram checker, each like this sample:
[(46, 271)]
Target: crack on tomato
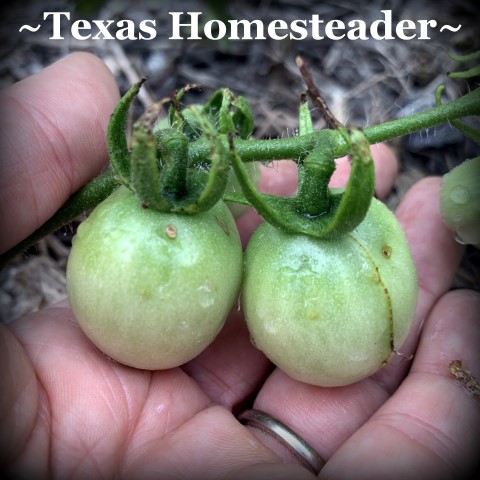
[(377, 278)]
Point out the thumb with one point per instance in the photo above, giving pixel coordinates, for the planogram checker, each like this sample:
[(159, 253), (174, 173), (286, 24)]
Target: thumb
[(52, 140)]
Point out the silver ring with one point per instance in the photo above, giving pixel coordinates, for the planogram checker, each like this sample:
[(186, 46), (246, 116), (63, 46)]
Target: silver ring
[(296, 445)]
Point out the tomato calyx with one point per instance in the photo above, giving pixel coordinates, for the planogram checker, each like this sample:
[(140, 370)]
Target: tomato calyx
[(157, 167), (317, 210)]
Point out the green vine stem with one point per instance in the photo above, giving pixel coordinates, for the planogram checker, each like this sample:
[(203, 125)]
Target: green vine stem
[(470, 132), (296, 148), (85, 199)]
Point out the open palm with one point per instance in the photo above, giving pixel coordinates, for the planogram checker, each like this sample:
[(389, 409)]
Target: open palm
[(69, 411)]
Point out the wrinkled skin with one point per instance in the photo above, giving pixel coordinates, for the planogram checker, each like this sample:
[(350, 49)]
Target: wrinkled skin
[(67, 411), (150, 289), (350, 300)]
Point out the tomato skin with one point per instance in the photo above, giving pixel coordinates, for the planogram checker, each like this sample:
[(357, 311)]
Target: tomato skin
[(323, 310), (153, 289)]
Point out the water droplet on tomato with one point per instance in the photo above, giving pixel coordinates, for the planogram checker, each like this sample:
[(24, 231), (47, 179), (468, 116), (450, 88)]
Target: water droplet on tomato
[(459, 195), (206, 296)]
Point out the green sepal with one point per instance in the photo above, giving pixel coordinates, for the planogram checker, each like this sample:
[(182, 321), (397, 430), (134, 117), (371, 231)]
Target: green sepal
[(213, 189), (212, 107), (206, 188), (355, 200), (145, 171), (172, 150), (230, 113), (179, 118), (225, 120), (305, 123), (346, 209), (116, 135), (243, 117)]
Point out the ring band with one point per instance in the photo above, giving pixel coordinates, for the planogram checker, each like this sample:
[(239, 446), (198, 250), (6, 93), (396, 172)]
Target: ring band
[(298, 447)]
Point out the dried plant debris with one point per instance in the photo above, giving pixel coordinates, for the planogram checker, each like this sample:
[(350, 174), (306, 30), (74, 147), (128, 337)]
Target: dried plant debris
[(466, 377), (29, 284)]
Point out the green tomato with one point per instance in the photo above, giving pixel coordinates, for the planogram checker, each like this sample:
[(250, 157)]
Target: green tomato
[(330, 312), (151, 289), (460, 201)]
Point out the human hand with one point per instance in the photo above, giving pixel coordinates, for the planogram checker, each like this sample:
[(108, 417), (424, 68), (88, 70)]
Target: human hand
[(69, 411)]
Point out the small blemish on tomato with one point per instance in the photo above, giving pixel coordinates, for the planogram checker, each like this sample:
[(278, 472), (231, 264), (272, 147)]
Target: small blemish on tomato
[(171, 231), (145, 294), (386, 251), (376, 276)]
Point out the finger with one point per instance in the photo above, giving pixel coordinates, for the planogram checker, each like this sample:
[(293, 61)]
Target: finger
[(90, 416), (430, 428), (90, 409), (19, 398), (280, 178), (213, 444), (52, 137), (277, 471), (231, 370), (326, 417), (386, 170)]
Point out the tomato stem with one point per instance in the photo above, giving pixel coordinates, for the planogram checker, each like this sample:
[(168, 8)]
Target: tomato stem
[(172, 148), (85, 199), (314, 173), (298, 147)]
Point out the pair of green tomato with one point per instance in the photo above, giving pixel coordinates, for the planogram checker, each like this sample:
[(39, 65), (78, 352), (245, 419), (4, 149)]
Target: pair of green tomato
[(152, 290)]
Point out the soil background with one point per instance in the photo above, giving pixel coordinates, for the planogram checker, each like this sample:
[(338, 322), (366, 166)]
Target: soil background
[(364, 83)]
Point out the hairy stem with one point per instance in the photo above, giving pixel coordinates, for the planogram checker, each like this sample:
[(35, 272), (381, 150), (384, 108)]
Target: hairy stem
[(85, 199), (297, 148)]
